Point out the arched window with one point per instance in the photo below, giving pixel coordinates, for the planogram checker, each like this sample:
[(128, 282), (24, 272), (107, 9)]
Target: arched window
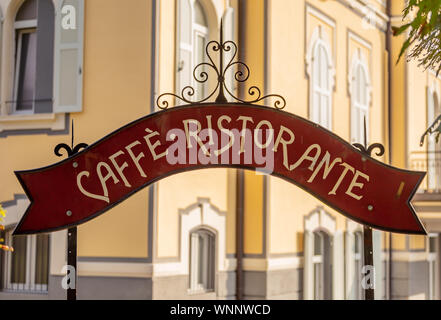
[(202, 246), (34, 57), (360, 91), (193, 33), (200, 38), (323, 273), (321, 97), (321, 75), (202, 260)]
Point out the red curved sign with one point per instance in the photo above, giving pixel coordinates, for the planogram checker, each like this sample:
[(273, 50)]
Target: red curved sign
[(94, 180)]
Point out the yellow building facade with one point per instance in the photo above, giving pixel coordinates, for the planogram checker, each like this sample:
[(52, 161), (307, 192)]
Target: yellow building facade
[(213, 233)]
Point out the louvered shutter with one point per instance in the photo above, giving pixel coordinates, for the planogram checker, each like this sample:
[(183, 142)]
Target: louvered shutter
[(68, 85)]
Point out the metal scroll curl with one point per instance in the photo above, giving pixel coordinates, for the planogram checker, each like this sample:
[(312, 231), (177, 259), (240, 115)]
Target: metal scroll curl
[(241, 73)]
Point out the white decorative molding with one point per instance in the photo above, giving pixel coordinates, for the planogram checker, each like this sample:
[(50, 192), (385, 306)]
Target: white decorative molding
[(364, 7), (115, 269), (352, 226), (316, 13), (359, 59), (50, 121), (320, 219), (319, 37), (202, 215)]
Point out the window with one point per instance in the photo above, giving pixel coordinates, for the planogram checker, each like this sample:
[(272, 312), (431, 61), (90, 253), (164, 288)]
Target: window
[(321, 97), (358, 264), (360, 98), (43, 73), (34, 53), (321, 74), (317, 261), (27, 267), (202, 261), (323, 257), (433, 260), (202, 246), (193, 36), (322, 266), (200, 36)]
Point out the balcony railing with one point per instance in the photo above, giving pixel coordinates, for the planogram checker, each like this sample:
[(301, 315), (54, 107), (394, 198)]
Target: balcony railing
[(430, 162)]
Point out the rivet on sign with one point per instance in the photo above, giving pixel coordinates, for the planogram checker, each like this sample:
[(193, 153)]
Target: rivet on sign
[(68, 213), (370, 207), (363, 159), (75, 164)]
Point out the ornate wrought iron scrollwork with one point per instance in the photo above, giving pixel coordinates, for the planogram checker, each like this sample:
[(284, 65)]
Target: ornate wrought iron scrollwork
[(69, 150), (371, 148), (240, 75), (367, 150)]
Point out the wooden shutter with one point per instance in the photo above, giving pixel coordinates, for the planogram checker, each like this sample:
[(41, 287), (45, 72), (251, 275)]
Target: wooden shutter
[(184, 46), (68, 86), (45, 57)]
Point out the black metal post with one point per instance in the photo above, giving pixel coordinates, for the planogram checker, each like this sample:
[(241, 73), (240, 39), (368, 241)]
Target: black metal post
[(72, 232), (369, 293), (368, 251), (72, 260)]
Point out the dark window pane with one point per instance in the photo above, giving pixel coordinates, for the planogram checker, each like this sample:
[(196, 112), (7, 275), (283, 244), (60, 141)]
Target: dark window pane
[(18, 263), (318, 242), (358, 240), (42, 259), (432, 244), (26, 71), (27, 11)]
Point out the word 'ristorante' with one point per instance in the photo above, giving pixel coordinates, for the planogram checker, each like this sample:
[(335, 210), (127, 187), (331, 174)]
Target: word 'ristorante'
[(228, 141)]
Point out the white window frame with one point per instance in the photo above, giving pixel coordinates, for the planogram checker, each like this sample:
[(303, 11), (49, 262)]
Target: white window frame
[(202, 31), (357, 132), (31, 251), (319, 39), (202, 215), (321, 220), (208, 267), (56, 120), (318, 261), (26, 26)]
